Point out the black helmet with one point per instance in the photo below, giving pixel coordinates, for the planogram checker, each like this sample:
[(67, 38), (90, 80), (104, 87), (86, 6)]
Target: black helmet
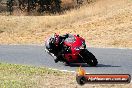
[(67, 35)]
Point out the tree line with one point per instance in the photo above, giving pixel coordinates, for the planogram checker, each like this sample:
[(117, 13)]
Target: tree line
[(52, 6)]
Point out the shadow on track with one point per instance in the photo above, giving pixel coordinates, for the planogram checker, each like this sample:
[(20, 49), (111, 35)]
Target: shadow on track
[(103, 65), (86, 65)]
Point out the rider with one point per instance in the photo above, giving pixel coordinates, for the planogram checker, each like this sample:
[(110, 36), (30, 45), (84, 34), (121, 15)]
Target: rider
[(52, 43), (56, 44)]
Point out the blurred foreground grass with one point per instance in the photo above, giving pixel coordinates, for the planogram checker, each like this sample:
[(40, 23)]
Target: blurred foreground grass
[(20, 76)]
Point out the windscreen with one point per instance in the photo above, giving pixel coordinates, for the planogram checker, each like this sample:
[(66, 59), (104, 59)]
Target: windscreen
[(70, 39)]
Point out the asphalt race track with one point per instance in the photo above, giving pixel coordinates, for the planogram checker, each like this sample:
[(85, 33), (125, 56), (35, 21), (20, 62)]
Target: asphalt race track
[(110, 60)]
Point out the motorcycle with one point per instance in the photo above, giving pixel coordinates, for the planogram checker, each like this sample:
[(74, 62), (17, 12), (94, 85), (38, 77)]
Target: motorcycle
[(74, 50)]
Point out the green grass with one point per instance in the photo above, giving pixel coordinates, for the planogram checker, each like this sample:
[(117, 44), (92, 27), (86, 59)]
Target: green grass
[(20, 76)]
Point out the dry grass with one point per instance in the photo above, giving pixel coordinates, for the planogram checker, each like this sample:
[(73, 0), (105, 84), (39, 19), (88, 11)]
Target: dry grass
[(104, 23)]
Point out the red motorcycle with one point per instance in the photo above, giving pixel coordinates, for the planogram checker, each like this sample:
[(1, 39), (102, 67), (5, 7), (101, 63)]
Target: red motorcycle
[(73, 50)]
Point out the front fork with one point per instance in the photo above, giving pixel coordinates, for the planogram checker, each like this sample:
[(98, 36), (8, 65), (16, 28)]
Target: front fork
[(82, 54)]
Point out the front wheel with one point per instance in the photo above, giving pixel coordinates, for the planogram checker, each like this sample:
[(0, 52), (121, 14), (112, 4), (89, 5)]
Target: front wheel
[(89, 58), (92, 61)]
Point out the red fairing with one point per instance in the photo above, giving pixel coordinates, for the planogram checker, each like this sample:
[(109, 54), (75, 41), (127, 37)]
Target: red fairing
[(73, 56)]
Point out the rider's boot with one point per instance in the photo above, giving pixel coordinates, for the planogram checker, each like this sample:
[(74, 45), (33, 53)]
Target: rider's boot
[(56, 60)]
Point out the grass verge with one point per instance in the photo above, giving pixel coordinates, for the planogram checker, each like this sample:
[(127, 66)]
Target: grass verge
[(20, 76)]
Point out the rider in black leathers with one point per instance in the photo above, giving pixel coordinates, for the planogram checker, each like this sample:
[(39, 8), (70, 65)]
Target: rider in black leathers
[(56, 46)]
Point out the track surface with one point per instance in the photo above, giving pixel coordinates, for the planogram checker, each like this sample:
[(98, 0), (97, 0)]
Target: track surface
[(110, 60)]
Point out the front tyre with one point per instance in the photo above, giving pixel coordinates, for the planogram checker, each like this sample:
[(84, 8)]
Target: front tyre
[(90, 59)]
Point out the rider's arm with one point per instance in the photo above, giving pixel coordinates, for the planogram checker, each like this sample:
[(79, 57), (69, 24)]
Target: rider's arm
[(64, 36)]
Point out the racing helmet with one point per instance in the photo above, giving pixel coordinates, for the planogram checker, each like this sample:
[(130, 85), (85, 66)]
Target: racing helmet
[(56, 39), (67, 35)]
